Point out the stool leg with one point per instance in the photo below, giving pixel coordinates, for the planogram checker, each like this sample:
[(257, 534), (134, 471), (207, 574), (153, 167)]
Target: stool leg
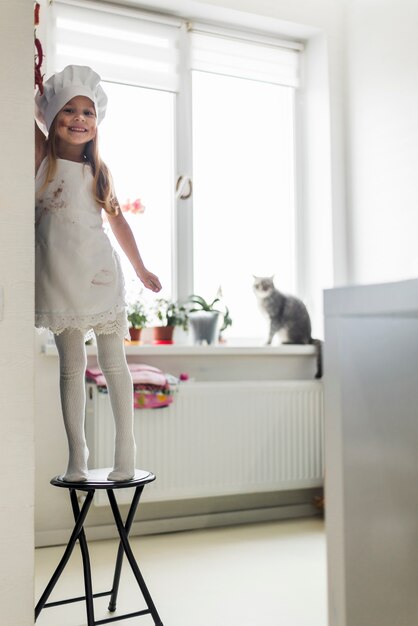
[(86, 562), (70, 547), (119, 559), (131, 559)]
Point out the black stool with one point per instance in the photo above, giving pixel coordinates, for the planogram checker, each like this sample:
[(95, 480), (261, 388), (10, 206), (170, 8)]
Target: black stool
[(97, 480)]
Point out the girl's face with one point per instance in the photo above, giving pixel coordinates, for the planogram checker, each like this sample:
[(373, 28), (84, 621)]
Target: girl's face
[(76, 123)]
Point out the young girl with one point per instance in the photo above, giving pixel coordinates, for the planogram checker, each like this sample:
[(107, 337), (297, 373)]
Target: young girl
[(79, 283)]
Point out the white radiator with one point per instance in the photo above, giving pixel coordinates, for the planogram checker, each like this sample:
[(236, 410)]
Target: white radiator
[(220, 438)]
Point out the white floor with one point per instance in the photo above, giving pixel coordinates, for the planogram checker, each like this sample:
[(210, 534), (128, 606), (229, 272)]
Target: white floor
[(271, 574)]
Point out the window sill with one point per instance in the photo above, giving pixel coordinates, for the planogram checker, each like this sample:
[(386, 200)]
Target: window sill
[(220, 362), (216, 351)]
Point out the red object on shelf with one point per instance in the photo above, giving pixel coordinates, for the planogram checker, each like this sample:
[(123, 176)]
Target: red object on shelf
[(36, 10), (39, 53), (162, 341)]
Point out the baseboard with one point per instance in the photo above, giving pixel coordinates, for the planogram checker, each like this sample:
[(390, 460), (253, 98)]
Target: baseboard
[(179, 523)]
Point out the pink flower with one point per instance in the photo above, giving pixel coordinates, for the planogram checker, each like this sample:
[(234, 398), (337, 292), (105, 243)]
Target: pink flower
[(136, 207)]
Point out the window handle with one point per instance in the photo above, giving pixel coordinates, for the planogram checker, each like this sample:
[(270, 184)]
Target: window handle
[(184, 187)]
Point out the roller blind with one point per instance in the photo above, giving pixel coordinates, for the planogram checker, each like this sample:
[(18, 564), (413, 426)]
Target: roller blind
[(232, 53), (131, 47), (124, 48)]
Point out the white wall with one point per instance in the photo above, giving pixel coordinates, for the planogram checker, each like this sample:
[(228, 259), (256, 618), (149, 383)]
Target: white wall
[(16, 315), (382, 139)]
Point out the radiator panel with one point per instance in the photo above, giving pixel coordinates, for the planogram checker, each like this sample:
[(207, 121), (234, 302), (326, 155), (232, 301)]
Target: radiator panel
[(220, 439)]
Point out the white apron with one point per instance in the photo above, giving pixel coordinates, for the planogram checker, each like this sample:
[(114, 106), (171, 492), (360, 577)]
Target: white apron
[(79, 281)]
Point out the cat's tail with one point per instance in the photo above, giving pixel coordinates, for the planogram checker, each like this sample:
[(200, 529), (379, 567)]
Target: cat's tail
[(318, 345)]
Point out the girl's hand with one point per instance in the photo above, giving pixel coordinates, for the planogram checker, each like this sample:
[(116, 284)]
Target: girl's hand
[(149, 280), (126, 240)]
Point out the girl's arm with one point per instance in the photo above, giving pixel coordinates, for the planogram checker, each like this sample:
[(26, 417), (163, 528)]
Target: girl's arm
[(126, 240), (40, 147)]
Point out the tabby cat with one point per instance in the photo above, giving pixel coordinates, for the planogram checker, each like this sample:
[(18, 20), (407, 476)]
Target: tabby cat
[(289, 317)]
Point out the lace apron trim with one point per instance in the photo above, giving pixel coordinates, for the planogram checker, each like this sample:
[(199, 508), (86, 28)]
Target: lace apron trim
[(114, 321)]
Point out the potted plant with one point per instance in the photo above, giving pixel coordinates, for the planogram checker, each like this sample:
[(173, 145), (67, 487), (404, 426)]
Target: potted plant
[(169, 315), (137, 318), (206, 320)]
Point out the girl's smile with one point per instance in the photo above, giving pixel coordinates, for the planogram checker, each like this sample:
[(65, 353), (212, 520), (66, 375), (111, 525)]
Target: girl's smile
[(77, 129)]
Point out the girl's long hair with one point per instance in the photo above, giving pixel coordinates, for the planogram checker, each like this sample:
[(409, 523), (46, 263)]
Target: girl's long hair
[(103, 190)]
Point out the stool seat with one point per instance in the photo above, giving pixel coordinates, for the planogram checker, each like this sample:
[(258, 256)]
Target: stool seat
[(97, 479)]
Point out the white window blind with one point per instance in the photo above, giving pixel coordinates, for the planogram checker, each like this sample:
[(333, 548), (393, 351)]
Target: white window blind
[(121, 48), (232, 53)]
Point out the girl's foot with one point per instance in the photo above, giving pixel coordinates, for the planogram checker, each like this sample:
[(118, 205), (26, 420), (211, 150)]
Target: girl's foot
[(118, 476), (125, 455), (75, 477), (77, 470)]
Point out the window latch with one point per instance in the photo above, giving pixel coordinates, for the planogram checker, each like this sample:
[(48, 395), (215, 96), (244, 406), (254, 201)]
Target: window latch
[(184, 188)]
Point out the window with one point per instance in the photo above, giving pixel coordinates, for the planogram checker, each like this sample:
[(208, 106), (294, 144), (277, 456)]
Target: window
[(196, 99), (137, 142), (243, 156)]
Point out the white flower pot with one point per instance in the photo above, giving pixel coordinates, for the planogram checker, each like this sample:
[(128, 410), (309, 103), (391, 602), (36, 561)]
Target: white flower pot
[(204, 326)]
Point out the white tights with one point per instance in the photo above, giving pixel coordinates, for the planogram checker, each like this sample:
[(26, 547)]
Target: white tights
[(112, 361)]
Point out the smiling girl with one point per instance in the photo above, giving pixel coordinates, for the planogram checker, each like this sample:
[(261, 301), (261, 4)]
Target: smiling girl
[(79, 282)]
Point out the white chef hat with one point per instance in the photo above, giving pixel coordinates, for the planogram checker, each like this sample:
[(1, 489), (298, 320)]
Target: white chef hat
[(73, 80)]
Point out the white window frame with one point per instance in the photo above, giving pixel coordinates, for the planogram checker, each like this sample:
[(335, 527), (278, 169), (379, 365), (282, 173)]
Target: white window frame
[(183, 270), (183, 219)]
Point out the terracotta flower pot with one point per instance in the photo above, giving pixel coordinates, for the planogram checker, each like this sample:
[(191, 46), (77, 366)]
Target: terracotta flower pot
[(163, 334), (135, 334)]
